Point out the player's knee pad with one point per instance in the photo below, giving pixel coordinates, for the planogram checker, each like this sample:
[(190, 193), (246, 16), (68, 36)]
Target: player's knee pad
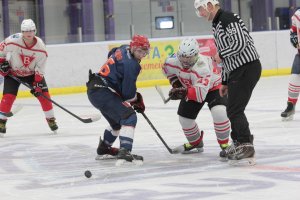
[(186, 122), (130, 120), (219, 113)]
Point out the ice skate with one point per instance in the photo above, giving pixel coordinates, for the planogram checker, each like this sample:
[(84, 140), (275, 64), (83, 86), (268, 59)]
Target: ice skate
[(288, 113), (2, 127), (226, 150), (125, 157), (106, 152), (52, 124), (187, 148), (244, 154)]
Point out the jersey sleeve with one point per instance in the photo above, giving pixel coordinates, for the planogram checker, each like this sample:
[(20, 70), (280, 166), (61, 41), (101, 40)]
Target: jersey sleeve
[(41, 61), (129, 82), (169, 69)]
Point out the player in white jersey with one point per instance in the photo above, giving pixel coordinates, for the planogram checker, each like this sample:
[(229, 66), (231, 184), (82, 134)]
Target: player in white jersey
[(195, 81), (294, 82), (24, 55)]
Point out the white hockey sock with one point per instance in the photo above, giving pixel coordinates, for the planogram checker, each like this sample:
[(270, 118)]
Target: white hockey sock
[(49, 114), (294, 88), (126, 137), (221, 123), (191, 130)]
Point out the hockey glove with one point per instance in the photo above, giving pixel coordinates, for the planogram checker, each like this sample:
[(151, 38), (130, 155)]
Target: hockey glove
[(138, 105), (294, 39), (37, 88), (4, 67), (178, 93), (175, 82)]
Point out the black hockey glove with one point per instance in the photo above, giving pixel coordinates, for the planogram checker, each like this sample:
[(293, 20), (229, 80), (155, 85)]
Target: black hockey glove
[(175, 82), (37, 88), (178, 93), (4, 68), (138, 105), (294, 39)]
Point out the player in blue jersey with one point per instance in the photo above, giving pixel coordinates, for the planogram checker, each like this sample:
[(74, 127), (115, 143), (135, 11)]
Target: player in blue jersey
[(113, 91)]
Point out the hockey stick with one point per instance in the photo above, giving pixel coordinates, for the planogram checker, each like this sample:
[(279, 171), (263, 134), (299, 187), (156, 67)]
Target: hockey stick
[(13, 111), (161, 94), (88, 120), (157, 133)]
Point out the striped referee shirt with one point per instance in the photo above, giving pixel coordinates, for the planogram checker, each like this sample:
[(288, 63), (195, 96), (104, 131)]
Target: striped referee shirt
[(233, 41)]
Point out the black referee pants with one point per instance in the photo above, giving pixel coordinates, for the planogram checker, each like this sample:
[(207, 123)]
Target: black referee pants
[(241, 83)]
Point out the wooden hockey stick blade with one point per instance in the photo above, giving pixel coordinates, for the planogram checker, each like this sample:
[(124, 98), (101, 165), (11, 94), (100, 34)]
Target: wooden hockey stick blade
[(14, 111), (161, 94), (91, 119)]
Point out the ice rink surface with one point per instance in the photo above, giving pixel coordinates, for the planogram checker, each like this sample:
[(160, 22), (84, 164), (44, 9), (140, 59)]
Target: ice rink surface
[(37, 165)]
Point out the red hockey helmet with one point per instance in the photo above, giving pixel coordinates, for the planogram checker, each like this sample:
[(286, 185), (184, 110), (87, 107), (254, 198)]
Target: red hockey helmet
[(140, 41)]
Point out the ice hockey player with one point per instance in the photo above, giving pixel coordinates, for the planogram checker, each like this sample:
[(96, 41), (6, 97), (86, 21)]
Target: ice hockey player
[(24, 55), (294, 82), (195, 82), (113, 91)]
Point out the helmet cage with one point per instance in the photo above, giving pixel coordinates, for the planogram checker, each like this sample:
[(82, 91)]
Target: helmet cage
[(188, 52)]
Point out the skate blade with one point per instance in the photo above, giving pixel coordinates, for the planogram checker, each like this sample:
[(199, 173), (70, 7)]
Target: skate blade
[(105, 157), (53, 132), (196, 150), (180, 149), (123, 162), (289, 118), (223, 159), (243, 162)]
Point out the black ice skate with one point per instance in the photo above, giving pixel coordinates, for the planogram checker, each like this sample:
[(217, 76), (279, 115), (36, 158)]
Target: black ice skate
[(2, 127), (288, 113), (52, 124), (187, 148), (124, 156), (106, 152), (243, 154)]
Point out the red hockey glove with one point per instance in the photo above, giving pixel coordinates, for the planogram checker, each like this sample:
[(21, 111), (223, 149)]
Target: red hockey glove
[(37, 88), (178, 93), (4, 67), (138, 105)]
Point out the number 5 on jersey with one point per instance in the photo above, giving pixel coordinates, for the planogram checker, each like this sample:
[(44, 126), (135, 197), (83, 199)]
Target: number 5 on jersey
[(104, 70)]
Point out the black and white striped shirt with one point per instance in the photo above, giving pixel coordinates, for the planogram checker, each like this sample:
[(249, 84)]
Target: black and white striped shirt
[(233, 41)]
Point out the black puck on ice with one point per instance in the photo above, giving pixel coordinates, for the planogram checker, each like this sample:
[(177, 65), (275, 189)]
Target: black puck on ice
[(88, 174)]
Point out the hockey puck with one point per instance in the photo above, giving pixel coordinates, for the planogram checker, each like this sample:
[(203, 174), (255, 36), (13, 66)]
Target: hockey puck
[(88, 174)]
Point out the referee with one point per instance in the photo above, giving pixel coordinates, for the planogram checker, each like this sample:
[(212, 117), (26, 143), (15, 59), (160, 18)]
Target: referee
[(241, 71)]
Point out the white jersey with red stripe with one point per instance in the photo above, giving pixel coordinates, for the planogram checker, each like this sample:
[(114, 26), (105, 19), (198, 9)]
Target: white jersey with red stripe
[(24, 60), (200, 79)]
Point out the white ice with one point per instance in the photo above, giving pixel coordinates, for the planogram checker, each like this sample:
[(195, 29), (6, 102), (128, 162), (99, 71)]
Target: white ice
[(37, 165)]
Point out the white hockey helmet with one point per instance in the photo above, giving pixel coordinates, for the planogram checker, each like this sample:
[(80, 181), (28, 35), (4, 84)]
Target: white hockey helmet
[(203, 3), (28, 25), (188, 52)]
